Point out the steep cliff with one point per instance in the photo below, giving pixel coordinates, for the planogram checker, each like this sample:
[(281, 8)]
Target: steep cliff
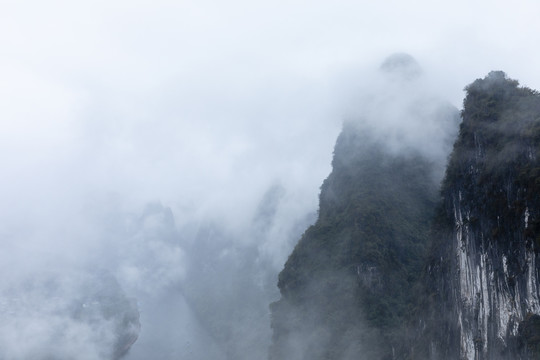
[(483, 276), (351, 281), (346, 287)]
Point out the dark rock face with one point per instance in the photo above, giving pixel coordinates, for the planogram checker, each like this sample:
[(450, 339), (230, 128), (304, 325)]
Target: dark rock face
[(349, 284), (484, 272)]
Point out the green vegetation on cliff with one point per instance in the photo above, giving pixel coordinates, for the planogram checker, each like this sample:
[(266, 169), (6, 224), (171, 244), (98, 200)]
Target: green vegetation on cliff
[(347, 288)]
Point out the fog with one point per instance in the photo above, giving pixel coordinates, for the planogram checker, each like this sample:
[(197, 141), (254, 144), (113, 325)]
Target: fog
[(165, 156)]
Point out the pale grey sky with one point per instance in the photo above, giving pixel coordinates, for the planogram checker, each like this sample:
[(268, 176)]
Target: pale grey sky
[(208, 95)]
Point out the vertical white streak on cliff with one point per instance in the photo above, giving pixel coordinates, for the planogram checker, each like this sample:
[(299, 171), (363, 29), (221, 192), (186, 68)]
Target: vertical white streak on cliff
[(484, 304), (531, 153), (466, 341), (532, 301), (518, 313), (503, 316), (466, 282), (505, 307), (526, 216), (468, 352), (465, 276)]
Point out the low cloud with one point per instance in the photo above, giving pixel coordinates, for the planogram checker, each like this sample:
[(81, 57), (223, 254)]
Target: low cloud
[(142, 139)]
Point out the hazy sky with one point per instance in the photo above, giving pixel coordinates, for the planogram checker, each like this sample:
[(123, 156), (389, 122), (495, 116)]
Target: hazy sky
[(174, 100), (203, 105)]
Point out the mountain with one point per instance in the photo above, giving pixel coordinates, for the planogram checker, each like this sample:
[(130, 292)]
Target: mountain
[(351, 281), (400, 265), (346, 286), (483, 274)]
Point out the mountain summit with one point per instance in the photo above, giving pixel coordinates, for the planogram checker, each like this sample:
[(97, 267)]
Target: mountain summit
[(402, 65)]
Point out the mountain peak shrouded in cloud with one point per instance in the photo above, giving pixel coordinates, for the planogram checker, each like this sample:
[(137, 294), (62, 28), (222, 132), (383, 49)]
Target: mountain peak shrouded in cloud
[(401, 65), (405, 112), (348, 285)]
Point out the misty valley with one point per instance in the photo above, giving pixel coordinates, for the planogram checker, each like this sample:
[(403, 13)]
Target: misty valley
[(425, 246)]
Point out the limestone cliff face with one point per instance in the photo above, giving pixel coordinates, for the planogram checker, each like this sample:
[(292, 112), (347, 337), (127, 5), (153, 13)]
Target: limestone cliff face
[(484, 271)]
